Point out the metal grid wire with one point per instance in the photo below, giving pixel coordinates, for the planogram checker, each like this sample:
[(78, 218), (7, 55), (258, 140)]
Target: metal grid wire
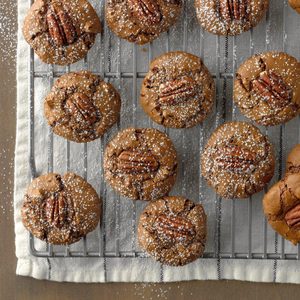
[(237, 228)]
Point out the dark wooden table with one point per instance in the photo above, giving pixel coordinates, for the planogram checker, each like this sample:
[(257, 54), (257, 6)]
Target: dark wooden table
[(15, 287)]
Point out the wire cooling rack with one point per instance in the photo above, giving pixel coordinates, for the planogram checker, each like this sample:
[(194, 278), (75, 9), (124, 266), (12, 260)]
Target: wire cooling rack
[(236, 228)]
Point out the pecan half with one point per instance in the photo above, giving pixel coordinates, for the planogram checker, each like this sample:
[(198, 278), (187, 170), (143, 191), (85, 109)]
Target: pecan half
[(145, 11), (272, 88), (292, 217), (56, 210), (174, 228), (233, 10), (60, 26), (176, 91), (82, 109), (135, 162), (235, 159)]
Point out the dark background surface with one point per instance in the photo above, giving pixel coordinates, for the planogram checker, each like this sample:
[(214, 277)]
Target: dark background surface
[(15, 287)]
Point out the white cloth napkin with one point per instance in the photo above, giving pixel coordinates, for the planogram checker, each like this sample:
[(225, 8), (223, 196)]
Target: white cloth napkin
[(145, 269)]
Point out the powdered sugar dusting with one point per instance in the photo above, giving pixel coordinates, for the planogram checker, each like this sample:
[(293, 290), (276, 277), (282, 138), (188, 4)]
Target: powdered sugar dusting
[(8, 31), (238, 160)]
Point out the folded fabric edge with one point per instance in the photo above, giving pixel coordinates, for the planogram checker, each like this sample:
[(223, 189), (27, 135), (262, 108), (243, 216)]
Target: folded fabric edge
[(254, 271)]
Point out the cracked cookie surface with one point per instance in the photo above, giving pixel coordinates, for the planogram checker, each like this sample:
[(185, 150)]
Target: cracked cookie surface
[(238, 160), (282, 207), (173, 230), (61, 31), (230, 17), (140, 164), (267, 88), (293, 160), (81, 107), (141, 21), (60, 209), (178, 90)]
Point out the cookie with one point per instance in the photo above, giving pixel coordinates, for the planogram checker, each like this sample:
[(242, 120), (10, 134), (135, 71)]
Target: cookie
[(293, 160), (81, 107), (140, 163), (238, 160), (61, 31), (282, 207), (60, 209), (295, 4), (173, 230), (223, 17), (267, 88), (178, 90), (141, 21)]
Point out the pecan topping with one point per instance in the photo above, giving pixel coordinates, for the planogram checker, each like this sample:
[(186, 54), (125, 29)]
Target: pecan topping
[(272, 88), (292, 217), (235, 159), (178, 90), (145, 11), (135, 162), (56, 210), (60, 26), (174, 228), (233, 10), (82, 109)]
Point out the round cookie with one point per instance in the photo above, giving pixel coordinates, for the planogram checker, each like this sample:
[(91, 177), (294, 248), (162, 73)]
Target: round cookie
[(282, 207), (293, 160), (238, 160), (81, 107), (267, 88), (60, 209), (141, 163), (223, 17), (141, 21), (61, 31), (173, 230), (295, 4), (178, 90)]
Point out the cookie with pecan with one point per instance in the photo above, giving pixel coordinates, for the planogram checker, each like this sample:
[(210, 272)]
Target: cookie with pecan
[(61, 31), (81, 107), (230, 17), (293, 160), (238, 160), (140, 163), (267, 88), (282, 207), (295, 4), (178, 90), (141, 21), (173, 230), (60, 209)]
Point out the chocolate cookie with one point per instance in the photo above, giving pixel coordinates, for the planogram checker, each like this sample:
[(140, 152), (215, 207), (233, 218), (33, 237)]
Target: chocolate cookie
[(60, 209), (141, 21), (293, 160), (61, 31), (81, 106), (295, 4), (178, 91), (141, 163), (238, 160), (282, 207), (230, 17), (267, 88), (173, 230)]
